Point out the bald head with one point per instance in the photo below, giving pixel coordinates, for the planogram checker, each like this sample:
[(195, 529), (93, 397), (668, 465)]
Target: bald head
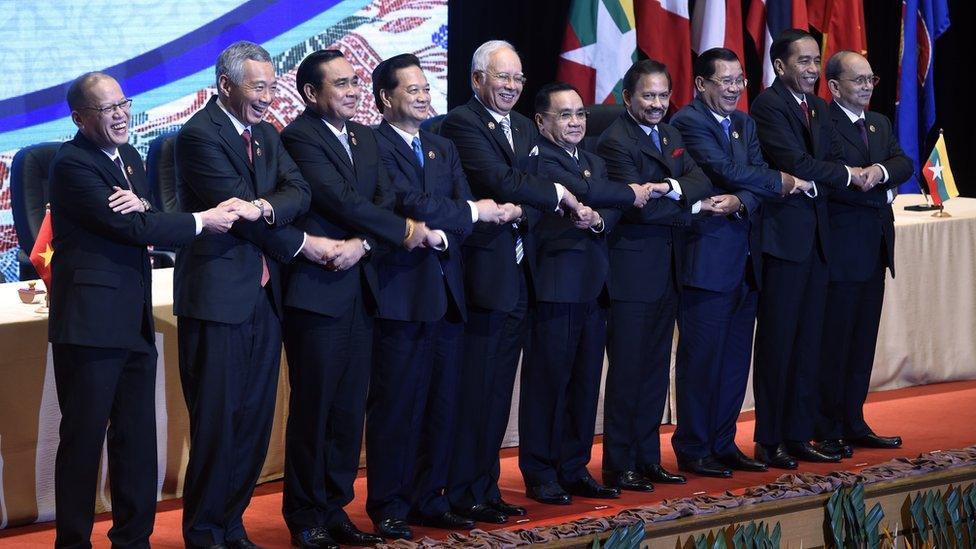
[(100, 109), (850, 80)]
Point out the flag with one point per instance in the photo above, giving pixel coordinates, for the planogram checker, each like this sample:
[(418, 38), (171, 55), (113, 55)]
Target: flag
[(938, 174), (42, 252), (766, 20), (664, 34), (842, 24), (598, 47), (923, 21), (718, 24)]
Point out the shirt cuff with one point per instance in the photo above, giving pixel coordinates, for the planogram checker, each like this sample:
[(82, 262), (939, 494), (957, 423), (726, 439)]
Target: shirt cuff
[(300, 248), (271, 218), (474, 211), (812, 193), (675, 193), (884, 173), (891, 196), (560, 193), (198, 221), (696, 207), (850, 175), (443, 246)]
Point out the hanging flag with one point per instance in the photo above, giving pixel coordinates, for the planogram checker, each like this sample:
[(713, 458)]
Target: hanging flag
[(842, 24), (923, 21), (664, 34), (766, 20), (599, 46), (718, 24), (938, 174), (42, 252)]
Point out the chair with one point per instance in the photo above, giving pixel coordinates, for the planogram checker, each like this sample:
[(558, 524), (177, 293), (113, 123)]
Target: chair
[(29, 174), (433, 125), (601, 116), (161, 171)]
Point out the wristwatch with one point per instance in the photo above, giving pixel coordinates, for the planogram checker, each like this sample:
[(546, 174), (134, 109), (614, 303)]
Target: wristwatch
[(145, 204), (259, 204), (670, 186), (366, 246)]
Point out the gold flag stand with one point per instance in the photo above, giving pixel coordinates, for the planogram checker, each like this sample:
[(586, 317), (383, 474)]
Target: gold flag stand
[(941, 212)]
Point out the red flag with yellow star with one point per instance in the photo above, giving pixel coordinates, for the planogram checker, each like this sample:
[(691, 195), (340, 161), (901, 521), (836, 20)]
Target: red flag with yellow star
[(42, 252)]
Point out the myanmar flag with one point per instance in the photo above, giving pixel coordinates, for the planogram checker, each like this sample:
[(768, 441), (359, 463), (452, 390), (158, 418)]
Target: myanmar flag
[(42, 252), (599, 46), (938, 174)]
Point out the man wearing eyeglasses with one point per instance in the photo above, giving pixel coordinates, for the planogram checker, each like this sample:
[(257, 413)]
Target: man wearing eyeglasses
[(646, 253), (101, 321), (862, 246), (722, 269)]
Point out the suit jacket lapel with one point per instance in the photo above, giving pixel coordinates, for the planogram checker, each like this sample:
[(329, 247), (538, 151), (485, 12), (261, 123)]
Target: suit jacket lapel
[(228, 132), (332, 142), (406, 152), (137, 177), (494, 128), (791, 103), (847, 128), (102, 161), (644, 141), (260, 152)]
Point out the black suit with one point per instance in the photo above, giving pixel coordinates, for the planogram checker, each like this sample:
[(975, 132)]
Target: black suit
[(328, 333), (795, 256), (721, 278), (496, 288), (229, 327), (862, 245), (646, 254), (564, 362), (101, 328), (419, 335)]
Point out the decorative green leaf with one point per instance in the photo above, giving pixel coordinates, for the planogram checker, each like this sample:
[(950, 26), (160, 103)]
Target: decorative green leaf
[(701, 542), (636, 534), (777, 534), (918, 517), (596, 543)]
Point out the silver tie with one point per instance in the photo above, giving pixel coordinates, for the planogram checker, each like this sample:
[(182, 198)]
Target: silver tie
[(344, 139), (506, 125)]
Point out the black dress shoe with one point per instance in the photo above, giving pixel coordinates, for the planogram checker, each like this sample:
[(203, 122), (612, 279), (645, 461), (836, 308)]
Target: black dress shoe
[(242, 543), (587, 487), (446, 520), (628, 480), (706, 467), (804, 451), (550, 493), (393, 528), (508, 508), (872, 440), (482, 512), (836, 446), (656, 473), (314, 538), (775, 456), (740, 462), (346, 533)]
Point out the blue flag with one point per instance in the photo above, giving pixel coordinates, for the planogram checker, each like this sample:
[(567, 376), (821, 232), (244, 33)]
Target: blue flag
[(923, 21)]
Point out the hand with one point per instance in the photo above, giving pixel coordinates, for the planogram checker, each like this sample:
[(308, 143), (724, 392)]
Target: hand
[(723, 204), (319, 249), (859, 178), (788, 184), (802, 186), (242, 208), (124, 201), (488, 211), (510, 212), (346, 254), (418, 236), (569, 201), (659, 189), (642, 193), (872, 176), (433, 240), (584, 217), (219, 219)]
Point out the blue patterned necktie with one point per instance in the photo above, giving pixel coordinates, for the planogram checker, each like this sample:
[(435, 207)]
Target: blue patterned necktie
[(417, 151), (656, 138), (727, 125)]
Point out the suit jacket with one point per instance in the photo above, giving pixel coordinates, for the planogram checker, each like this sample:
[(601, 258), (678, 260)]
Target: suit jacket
[(646, 248), (792, 224), (417, 285), (572, 265), (345, 197), (718, 247), (861, 223), (494, 171), (101, 282)]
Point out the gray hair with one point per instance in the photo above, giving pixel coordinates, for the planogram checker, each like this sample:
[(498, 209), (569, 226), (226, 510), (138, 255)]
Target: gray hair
[(231, 60), (479, 60)]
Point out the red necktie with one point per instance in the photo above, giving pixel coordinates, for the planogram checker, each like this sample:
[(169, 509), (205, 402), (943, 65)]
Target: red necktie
[(806, 112), (246, 138)]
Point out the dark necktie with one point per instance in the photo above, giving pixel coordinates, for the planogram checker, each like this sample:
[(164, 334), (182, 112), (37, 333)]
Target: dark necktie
[(862, 130), (246, 138), (418, 151), (806, 112), (118, 162)]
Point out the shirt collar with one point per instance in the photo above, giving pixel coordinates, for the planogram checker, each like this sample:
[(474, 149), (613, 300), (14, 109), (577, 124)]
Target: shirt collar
[(112, 156), (408, 137), (647, 129), (850, 114), (800, 98), (497, 116), (335, 131), (238, 125), (718, 117)]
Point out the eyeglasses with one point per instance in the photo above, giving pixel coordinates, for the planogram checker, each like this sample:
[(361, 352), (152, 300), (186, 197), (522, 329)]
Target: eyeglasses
[(729, 82), (112, 109), (505, 77), (566, 116), (862, 81)]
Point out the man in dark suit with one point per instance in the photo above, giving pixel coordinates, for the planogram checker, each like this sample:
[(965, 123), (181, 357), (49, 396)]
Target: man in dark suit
[(328, 333), (645, 264), (493, 143), (862, 246), (101, 321), (721, 269), (228, 291), (797, 138), (561, 372), (420, 309)]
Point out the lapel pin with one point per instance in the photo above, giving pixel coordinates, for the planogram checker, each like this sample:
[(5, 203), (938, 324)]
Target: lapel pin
[(872, 128), (813, 113), (257, 151), (586, 173), (352, 139), (491, 125), (735, 134), (431, 155), (128, 169), (256, 143), (664, 140)]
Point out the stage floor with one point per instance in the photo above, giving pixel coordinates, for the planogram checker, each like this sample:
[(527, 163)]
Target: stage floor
[(929, 418)]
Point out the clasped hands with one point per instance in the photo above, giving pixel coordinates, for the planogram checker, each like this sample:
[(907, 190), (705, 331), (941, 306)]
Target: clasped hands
[(583, 216), (644, 192), (867, 178)]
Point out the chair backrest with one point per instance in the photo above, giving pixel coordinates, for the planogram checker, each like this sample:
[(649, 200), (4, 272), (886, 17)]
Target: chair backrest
[(161, 171), (30, 171), (433, 125), (601, 116)]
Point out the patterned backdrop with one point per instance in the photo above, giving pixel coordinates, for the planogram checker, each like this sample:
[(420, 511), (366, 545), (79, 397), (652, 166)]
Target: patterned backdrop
[(170, 74)]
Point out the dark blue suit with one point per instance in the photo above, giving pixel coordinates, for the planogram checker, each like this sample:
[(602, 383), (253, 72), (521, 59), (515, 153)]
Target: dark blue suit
[(862, 246), (646, 255), (561, 372), (419, 335), (720, 277)]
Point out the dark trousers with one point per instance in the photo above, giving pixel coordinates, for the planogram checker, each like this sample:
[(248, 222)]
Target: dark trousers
[(493, 343), (328, 371), (99, 388), (560, 390), (229, 374), (639, 350), (850, 336), (790, 322), (712, 369), (410, 417)]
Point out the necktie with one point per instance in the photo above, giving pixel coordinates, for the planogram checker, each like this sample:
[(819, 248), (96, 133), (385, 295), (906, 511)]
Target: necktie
[(727, 126), (806, 112), (118, 162), (656, 138), (417, 151), (344, 139), (863, 131), (506, 125), (246, 138), (519, 250)]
